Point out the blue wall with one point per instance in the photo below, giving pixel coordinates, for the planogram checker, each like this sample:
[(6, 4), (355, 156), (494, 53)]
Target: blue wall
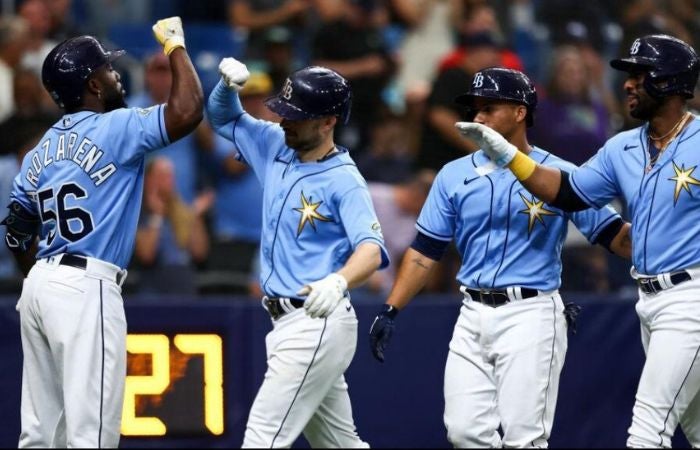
[(398, 403)]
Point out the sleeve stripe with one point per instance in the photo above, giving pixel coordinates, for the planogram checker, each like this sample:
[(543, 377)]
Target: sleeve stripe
[(601, 226), (161, 124), (439, 237), (583, 196)]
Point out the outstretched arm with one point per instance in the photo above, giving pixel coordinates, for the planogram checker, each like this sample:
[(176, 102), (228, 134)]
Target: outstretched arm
[(186, 101), (547, 183)]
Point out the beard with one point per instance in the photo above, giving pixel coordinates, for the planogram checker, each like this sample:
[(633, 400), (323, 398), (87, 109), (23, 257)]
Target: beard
[(302, 145), (646, 107), (114, 100)]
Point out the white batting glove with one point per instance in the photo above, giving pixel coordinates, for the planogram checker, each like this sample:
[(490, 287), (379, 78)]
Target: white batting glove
[(324, 295), (496, 147), (169, 34), (234, 73)]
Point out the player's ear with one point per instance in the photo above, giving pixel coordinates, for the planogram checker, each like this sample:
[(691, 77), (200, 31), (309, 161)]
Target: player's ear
[(94, 87), (520, 113), (329, 122)]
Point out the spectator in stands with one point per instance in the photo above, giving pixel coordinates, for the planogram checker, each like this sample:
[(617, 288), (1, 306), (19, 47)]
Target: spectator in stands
[(397, 206), (429, 35), (389, 158), (62, 24), (171, 235), (441, 142), (578, 123), (14, 39), (279, 55), (183, 153), (350, 42), (237, 214), (257, 16), (34, 110), (38, 18)]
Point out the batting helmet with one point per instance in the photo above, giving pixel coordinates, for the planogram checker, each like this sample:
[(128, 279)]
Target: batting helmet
[(311, 93), (502, 84), (69, 65), (671, 65)]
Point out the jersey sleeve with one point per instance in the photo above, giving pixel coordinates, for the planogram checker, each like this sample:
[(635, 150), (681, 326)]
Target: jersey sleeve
[(23, 192), (134, 132), (360, 221), (437, 218), (595, 181), (256, 141), (590, 222)]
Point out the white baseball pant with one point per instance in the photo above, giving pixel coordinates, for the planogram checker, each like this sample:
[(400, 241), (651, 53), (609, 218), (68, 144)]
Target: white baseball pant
[(74, 343), (304, 388), (503, 368), (669, 388)]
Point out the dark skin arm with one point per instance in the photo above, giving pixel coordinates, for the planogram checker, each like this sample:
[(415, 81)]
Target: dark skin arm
[(621, 245), (544, 183), (185, 108)]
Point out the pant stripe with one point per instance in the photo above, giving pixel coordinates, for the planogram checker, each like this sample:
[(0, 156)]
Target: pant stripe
[(313, 358), (661, 439), (102, 375), (551, 363)]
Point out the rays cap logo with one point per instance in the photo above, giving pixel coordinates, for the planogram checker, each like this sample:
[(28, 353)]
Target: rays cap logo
[(478, 80)]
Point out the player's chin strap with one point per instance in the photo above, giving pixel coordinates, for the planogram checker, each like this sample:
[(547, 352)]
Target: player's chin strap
[(22, 228), (571, 311)]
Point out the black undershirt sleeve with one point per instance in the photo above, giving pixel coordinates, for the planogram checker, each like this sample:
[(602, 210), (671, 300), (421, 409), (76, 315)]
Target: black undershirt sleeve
[(567, 200), (607, 234), (429, 247)]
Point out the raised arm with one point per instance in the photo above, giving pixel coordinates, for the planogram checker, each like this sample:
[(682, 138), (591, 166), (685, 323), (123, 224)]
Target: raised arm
[(186, 101), (224, 105), (547, 183)]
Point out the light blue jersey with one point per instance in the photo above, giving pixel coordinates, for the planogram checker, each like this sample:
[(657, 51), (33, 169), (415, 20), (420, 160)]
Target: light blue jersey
[(84, 180), (314, 214), (663, 200), (505, 236)]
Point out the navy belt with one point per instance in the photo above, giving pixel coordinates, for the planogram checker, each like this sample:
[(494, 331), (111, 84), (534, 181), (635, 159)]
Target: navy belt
[(275, 305), (651, 285), (497, 297), (80, 262)]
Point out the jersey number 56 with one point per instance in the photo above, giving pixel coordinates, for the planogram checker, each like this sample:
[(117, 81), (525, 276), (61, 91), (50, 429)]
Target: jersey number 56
[(72, 223)]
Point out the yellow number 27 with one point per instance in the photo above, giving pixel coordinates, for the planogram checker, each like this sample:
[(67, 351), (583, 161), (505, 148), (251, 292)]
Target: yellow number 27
[(155, 383)]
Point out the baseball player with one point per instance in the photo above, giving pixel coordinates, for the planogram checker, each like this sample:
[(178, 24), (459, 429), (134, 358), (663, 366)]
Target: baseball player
[(509, 342), (320, 237), (79, 191), (653, 168)]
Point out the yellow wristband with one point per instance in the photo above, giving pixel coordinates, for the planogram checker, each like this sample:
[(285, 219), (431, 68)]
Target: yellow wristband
[(173, 43), (522, 166)]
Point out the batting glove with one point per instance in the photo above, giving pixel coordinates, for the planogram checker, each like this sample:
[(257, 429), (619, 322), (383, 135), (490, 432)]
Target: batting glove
[(234, 73), (381, 331), (324, 295), (496, 147), (169, 34)]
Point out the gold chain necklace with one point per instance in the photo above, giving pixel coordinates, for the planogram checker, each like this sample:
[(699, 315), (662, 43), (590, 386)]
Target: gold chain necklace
[(677, 128)]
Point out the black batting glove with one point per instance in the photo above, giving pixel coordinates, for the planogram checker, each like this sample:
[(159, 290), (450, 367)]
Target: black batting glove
[(381, 331)]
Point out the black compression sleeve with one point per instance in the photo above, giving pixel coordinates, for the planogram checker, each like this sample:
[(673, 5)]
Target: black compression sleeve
[(606, 236), (567, 200), (429, 247)]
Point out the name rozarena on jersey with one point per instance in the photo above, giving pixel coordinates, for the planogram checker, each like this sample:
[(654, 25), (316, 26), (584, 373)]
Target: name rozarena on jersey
[(62, 147)]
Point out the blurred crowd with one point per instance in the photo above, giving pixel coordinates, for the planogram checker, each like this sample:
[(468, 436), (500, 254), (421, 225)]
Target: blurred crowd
[(406, 61)]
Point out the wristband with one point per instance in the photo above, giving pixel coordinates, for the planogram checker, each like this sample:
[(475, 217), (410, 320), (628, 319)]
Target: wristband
[(522, 166)]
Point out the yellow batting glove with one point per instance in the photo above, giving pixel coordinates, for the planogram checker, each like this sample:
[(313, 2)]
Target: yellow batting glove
[(169, 34)]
